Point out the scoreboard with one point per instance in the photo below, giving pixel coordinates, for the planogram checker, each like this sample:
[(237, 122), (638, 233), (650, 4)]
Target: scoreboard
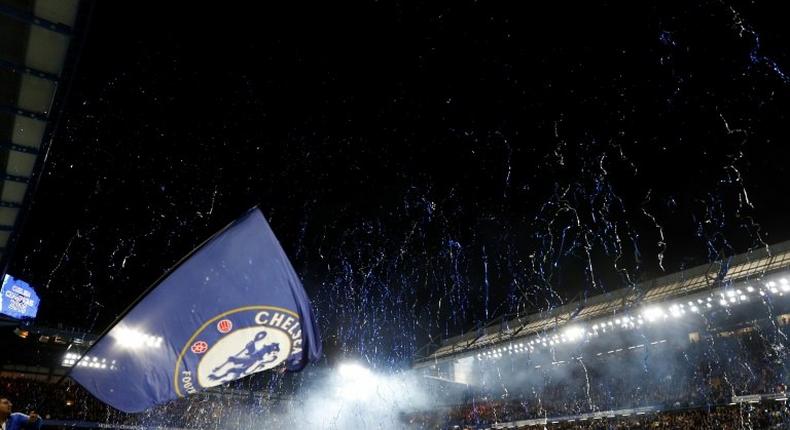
[(18, 299)]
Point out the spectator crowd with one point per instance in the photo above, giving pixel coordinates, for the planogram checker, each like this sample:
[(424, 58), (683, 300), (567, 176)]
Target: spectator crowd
[(692, 376), (693, 383)]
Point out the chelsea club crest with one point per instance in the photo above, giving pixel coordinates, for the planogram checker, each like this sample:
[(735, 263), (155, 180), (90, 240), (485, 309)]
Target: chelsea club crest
[(235, 344)]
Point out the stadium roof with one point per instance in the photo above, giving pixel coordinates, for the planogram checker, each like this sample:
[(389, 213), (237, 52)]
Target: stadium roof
[(751, 265), (38, 51)]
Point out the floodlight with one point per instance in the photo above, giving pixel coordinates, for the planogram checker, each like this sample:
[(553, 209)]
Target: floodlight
[(574, 333), (652, 313), (130, 338), (357, 383)]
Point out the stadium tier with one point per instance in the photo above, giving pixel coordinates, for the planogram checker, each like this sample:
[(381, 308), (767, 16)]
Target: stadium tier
[(705, 337), (742, 279)]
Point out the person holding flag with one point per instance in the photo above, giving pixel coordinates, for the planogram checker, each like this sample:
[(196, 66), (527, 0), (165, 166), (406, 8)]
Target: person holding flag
[(16, 420)]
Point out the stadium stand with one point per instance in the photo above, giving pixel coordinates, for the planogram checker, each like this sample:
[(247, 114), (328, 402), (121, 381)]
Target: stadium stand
[(67, 405), (718, 361), (699, 349)]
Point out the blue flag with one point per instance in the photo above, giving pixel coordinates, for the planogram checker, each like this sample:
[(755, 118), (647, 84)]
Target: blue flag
[(234, 307)]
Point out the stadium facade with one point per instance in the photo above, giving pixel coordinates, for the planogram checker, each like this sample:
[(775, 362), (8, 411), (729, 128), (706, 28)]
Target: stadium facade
[(726, 296)]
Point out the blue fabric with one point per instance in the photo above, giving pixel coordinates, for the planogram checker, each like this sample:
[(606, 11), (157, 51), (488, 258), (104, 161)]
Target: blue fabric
[(233, 308), (17, 421)]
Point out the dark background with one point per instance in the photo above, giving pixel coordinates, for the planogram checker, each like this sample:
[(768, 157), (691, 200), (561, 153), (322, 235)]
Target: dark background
[(426, 166)]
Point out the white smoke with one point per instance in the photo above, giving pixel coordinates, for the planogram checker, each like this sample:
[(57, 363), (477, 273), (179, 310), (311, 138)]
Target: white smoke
[(352, 396)]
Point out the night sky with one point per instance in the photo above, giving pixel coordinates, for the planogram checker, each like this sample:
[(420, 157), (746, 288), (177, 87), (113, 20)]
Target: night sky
[(426, 166)]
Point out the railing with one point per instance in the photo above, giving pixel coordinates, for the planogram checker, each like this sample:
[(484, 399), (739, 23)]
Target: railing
[(95, 425), (750, 398)]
